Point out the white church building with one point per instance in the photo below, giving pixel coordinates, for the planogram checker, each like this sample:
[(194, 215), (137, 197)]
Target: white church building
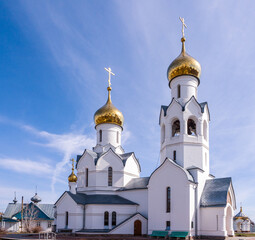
[(108, 195)]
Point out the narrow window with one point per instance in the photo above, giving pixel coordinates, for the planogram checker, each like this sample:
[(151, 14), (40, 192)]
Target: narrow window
[(168, 225), (174, 155), (38, 224), (49, 224), (192, 130), (192, 224), (162, 133), (168, 199), (100, 135), (117, 137), (179, 91), (106, 219), (176, 128), (114, 219), (205, 130), (110, 176), (87, 177), (66, 219)]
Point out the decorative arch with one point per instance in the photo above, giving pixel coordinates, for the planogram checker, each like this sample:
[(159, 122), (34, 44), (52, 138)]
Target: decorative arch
[(229, 221), (163, 129), (192, 126), (176, 129)]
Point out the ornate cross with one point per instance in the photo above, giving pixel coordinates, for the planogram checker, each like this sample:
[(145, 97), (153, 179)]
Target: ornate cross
[(109, 70), (72, 160), (183, 25)]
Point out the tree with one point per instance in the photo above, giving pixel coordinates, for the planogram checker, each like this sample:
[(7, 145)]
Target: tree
[(30, 214)]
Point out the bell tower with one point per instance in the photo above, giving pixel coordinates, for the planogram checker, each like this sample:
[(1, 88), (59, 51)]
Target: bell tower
[(185, 122)]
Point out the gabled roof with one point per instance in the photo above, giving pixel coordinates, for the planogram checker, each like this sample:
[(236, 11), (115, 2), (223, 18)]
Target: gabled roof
[(84, 199), (188, 175), (202, 106), (215, 192), (96, 156), (136, 183), (44, 211)]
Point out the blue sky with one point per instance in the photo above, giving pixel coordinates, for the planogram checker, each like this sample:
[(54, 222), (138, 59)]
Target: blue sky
[(52, 80)]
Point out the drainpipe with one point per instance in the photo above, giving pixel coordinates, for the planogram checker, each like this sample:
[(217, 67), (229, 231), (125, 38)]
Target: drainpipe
[(84, 206), (196, 203)]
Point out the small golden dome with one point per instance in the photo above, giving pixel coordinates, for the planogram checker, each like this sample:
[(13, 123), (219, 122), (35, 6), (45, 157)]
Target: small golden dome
[(183, 65), (72, 177), (109, 113)]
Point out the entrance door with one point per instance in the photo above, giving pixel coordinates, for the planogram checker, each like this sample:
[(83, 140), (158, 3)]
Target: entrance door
[(137, 228)]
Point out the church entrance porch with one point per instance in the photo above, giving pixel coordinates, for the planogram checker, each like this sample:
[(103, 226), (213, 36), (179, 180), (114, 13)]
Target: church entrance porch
[(137, 228)]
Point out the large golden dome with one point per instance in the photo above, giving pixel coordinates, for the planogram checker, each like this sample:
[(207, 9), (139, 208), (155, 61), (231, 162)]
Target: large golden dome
[(109, 113), (184, 65)]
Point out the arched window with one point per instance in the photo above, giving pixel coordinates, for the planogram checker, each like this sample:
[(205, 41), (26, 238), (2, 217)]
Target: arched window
[(205, 130), (192, 129), (106, 218), (174, 155), (87, 177), (162, 133), (114, 219), (110, 176), (176, 128), (100, 135), (168, 199), (178, 91), (66, 219)]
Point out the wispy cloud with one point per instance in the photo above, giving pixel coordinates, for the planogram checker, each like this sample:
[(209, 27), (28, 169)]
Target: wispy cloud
[(26, 166), (67, 144)]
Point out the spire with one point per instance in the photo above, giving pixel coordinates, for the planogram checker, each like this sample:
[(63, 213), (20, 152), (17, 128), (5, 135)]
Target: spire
[(109, 113), (72, 177), (183, 37), (15, 199), (183, 64), (109, 100), (183, 45)]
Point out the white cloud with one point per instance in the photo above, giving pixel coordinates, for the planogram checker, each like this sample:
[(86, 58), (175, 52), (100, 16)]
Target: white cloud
[(26, 166), (67, 144)]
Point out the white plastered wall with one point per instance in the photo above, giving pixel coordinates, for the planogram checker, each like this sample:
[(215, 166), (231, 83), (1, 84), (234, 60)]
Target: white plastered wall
[(95, 215), (75, 213), (182, 198), (109, 134), (131, 169), (139, 196), (190, 150), (188, 87), (128, 226)]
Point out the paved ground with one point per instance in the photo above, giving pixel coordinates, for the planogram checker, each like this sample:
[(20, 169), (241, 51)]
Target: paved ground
[(92, 237)]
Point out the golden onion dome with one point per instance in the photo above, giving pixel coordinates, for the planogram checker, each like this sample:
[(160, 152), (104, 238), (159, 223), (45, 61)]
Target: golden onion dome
[(109, 113), (183, 65), (72, 177)]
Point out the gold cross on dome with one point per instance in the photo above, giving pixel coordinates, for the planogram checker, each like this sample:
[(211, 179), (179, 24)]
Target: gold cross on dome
[(72, 160), (183, 25), (109, 70)]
